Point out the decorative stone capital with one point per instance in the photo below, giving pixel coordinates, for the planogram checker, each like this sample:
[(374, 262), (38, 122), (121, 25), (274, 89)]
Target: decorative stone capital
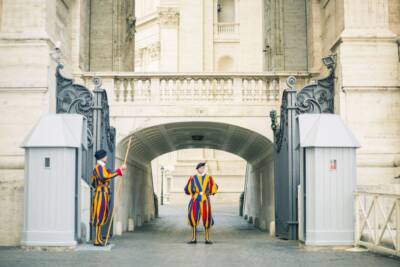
[(168, 16), (151, 52), (154, 50)]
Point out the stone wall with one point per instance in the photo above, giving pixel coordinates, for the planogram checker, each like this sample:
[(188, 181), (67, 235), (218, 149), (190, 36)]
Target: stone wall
[(285, 35), (294, 35), (134, 200), (27, 35), (29, 32), (259, 198), (112, 27)]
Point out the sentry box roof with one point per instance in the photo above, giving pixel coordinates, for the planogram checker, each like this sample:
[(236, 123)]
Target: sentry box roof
[(58, 130), (325, 130)]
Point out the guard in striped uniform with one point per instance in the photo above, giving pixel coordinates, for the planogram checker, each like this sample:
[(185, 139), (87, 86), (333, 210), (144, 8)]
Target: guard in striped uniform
[(101, 196), (200, 186)]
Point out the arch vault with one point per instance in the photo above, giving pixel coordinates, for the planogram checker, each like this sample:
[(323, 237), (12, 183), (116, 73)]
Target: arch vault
[(137, 205)]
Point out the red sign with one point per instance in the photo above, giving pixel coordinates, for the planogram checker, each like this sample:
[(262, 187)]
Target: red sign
[(332, 165)]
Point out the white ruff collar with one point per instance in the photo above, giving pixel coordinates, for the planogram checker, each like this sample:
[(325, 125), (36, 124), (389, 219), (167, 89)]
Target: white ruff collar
[(202, 174), (101, 163)]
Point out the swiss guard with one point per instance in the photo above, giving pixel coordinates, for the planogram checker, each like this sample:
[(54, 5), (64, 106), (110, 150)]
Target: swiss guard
[(200, 186), (101, 197)]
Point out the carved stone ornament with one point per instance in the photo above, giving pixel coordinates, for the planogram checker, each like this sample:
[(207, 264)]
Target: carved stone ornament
[(168, 16)]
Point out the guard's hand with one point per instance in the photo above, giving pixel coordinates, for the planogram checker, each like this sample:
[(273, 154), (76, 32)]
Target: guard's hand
[(123, 167)]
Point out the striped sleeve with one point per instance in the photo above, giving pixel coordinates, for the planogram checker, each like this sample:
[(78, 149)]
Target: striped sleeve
[(189, 186), (213, 187), (105, 174)]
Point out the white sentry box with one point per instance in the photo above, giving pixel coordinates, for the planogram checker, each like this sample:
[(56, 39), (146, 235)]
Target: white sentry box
[(327, 180), (53, 152)]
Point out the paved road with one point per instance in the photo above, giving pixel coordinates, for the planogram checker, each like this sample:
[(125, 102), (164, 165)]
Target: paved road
[(163, 243)]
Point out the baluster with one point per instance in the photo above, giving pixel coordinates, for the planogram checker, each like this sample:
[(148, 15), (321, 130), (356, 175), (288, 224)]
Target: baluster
[(205, 85), (196, 89), (124, 89), (226, 90), (270, 88), (144, 89), (251, 89), (117, 88), (219, 90), (148, 90), (132, 84), (258, 91), (263, 91), (171, 89), (138, 86), (244, 89), (178, 91), (191, 89), (213, 89), (162, 89), (185, 89), (221, 85)]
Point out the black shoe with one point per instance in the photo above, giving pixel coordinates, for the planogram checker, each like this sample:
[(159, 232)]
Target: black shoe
[(98, 244), (192, 241), (208, 242)]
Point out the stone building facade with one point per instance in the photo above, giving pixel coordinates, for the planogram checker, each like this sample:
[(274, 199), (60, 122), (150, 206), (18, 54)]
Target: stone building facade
[(282, 35)]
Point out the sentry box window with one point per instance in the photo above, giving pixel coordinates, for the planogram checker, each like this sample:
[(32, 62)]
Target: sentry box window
[(47, 162)]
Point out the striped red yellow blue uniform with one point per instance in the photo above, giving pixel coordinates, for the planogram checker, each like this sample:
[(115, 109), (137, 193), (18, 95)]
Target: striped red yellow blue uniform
[(101, 198), (200, 188)]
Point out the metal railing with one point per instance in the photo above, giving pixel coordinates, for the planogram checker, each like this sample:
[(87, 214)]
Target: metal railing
[(192, 87), (378, 222)]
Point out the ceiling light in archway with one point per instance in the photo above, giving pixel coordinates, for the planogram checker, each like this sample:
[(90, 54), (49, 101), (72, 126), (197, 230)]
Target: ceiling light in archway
[(197, 137)]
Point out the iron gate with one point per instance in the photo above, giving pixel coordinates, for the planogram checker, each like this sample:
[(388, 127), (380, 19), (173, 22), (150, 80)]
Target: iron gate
[(313, 98), (74, 98)]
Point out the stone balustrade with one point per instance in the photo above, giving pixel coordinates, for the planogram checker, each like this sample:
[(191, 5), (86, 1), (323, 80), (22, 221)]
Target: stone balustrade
[(245, 88), (226, 28)]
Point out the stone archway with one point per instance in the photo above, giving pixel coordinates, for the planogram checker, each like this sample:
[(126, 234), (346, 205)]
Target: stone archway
[(137, 201)]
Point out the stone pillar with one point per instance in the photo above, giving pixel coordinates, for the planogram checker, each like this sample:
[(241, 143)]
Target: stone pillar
[(368, 88), (168, 19), (191, 48)]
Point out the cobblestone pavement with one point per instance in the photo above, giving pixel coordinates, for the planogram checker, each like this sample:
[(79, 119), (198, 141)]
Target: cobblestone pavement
[(163, 243)]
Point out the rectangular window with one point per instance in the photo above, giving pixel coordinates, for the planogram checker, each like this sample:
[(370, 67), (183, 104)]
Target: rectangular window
[(47, 162)]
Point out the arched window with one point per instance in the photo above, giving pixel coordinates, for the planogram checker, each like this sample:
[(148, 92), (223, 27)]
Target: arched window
[(226, 11), (225, 64)]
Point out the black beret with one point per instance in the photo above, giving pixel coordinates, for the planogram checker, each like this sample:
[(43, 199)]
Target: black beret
[(100, 154), (200, 164)]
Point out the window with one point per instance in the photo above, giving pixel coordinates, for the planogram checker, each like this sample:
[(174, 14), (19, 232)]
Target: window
[(226, 11), (47, 162)]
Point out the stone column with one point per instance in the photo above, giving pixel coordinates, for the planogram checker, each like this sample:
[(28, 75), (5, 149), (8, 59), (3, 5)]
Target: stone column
[(368, 87), (168, 19)]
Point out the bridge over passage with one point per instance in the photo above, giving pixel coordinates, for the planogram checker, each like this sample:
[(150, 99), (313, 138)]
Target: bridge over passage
[(164, 112)]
